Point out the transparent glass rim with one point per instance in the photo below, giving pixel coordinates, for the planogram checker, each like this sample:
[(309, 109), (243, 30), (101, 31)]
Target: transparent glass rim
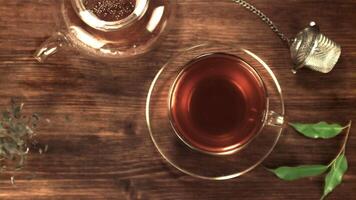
[(96, 23), (186, 171)]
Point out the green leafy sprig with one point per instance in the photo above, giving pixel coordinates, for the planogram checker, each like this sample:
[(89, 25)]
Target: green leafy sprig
[(321, 130), (335, 169)]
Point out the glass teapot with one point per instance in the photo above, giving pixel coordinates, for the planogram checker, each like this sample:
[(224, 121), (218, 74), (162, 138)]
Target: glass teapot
[(109, 29)]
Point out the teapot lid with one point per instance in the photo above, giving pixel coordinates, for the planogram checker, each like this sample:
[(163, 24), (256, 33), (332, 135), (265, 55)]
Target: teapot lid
[(109, 15)]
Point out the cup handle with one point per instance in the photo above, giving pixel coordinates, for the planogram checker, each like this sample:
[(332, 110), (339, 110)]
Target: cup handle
[(275, 119), (50, 46)]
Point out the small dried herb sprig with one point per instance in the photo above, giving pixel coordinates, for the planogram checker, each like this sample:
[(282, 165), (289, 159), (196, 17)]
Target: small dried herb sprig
[(16, 133), (336, 168)]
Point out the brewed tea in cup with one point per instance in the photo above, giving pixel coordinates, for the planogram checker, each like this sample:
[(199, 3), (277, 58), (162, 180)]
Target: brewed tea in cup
[(218, 103), (214, 111)]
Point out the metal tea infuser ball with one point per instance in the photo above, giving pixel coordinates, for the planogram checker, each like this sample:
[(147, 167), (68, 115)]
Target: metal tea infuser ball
[(309, 48)]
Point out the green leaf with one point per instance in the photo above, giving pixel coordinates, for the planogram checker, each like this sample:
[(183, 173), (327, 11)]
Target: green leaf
[(320, 130), (294, 173), (334, 177)]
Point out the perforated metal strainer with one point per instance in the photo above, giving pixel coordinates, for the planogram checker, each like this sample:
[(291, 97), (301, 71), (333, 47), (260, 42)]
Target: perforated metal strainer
[(309, 49), (314, 50)]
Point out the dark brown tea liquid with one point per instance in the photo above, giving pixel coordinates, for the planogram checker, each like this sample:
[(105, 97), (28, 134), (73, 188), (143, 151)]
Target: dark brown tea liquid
[(218, 103)]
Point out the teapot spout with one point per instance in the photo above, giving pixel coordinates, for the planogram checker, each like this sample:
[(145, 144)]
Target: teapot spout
[(50, 46)]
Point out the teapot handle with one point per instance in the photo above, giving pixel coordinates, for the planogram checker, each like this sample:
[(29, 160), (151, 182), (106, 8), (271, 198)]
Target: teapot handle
[(51, 46)]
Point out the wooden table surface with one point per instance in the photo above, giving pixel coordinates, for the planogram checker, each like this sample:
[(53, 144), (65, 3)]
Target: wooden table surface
[(99, 146)]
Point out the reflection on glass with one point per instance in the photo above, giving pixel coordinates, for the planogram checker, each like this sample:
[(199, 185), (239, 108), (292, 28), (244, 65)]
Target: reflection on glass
[(155, 18), (86, 38)]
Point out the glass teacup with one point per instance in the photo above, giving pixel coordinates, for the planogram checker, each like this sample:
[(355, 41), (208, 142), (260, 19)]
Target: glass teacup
[(215, 112)]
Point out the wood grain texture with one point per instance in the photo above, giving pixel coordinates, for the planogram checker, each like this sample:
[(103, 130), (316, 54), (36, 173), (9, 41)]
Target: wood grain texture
[(99, 147)]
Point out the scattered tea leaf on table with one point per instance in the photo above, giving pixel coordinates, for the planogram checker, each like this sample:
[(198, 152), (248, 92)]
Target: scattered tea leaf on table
[(334, 177), (17, 110), (294, 173), (5, 116), (320, 130), (15, 137)]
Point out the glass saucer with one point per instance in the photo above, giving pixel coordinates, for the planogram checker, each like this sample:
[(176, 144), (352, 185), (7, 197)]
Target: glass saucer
[(201, 164)]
